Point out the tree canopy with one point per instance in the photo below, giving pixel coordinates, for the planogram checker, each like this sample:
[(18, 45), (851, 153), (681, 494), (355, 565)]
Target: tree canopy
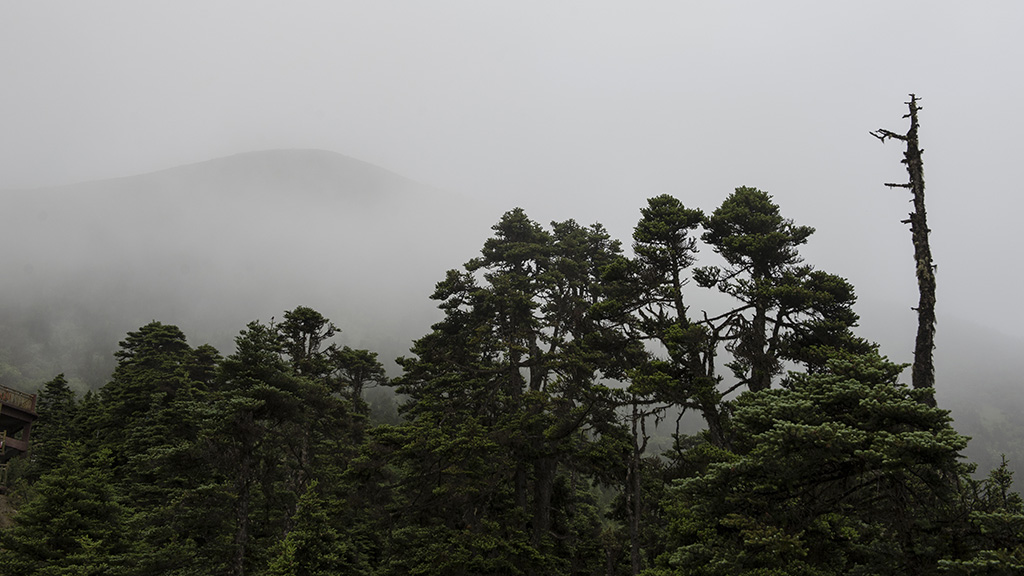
[(525, 439)]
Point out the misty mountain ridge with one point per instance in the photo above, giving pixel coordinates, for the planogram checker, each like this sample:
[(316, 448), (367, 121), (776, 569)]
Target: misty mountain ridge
[(213, 245)]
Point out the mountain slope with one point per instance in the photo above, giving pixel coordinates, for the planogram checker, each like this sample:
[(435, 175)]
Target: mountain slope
[(211, 246)]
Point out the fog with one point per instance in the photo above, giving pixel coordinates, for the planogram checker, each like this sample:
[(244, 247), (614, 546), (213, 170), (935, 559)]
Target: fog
[(214, 245), (132, 139)]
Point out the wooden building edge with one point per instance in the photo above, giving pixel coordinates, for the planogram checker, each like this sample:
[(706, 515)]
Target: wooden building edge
[(17, 413)]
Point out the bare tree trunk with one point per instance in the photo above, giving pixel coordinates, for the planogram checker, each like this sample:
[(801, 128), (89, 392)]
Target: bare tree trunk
[(923, 374), (713, 412), (634, 504), (241, 540), (545, 470), (760, 361)]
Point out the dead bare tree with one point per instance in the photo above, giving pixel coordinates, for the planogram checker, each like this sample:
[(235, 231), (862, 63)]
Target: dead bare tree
[(923, 374)]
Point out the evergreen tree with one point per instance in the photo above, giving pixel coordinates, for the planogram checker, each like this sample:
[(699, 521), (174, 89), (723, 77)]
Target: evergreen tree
[(303, 334), (991, 540), (656, 311), (356, 370), (510, 381), (314, 546), (256, 397), (150, 416), (56, 407), (277, 421), (788, 311), (785, 311), (73, 525), (842, 471), (152, 361)]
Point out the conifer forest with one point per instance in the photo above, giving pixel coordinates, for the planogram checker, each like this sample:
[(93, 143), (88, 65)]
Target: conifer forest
[(464, 288), (536, 429)]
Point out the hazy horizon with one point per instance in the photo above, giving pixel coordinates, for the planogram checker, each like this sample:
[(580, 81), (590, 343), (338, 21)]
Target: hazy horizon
[(570, 110)]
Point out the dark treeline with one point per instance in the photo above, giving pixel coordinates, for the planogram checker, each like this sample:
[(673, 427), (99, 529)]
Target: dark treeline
[(523, 442)]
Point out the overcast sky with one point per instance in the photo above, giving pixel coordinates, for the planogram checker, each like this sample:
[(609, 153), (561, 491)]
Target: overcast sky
[(569, 109)]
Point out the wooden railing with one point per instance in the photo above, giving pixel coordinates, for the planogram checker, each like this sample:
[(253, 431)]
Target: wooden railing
[(18, 399)]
